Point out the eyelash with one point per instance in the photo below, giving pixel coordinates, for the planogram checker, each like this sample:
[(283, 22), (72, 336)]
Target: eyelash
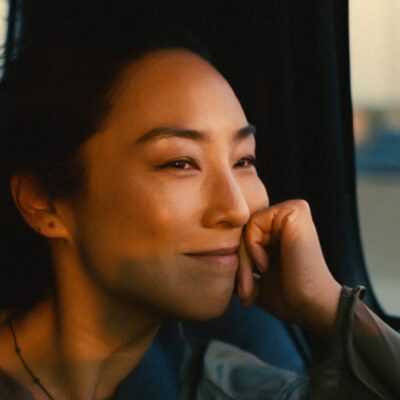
[(250, 159)]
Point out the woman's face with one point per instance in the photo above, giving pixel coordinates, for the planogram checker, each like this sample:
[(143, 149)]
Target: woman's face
[(142, 211)]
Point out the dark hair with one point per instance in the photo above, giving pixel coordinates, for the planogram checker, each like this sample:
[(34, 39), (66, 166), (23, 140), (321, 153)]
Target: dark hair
[(53, 97)]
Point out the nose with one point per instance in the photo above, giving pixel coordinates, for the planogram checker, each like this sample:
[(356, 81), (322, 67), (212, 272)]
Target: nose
[(226, 202)]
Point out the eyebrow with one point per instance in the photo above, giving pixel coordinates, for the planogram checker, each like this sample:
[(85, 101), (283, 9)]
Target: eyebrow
[(168, 132)]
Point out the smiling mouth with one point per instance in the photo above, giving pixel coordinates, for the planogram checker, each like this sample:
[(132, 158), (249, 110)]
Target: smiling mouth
[(230, 261)]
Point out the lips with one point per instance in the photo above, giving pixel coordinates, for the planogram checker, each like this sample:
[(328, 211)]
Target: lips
[(226, 251), (225, 258)]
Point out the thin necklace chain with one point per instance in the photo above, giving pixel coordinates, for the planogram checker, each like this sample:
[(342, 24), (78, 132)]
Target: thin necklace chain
[(35, 379)]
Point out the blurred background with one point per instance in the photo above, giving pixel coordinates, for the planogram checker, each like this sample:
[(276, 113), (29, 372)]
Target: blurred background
[(375, 69), (375, 60)]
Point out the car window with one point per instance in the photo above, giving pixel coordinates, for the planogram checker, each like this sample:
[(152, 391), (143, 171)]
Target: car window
[(3, 29), (375, 60)]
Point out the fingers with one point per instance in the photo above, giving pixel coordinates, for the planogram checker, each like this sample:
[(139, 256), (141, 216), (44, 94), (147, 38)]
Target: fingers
[(264, 231), (255, 243), (259, 256), (247, 283), (261, 238)]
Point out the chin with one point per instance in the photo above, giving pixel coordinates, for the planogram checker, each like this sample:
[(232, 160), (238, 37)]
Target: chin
[(206, 310), (210, 314)]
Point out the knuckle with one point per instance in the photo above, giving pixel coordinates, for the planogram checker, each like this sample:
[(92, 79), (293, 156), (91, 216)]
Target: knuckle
[(252, 221), (302, 205)]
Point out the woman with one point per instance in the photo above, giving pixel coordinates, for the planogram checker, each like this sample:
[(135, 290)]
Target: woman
[(134, 163)]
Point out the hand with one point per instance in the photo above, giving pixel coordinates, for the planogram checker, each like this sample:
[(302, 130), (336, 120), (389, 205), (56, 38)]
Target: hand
[(295, 285)]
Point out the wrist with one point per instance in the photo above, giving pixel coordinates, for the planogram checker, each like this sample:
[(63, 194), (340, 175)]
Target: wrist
[(321, 314)]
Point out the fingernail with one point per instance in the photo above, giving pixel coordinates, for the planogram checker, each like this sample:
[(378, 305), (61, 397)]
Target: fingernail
[(256, 275)]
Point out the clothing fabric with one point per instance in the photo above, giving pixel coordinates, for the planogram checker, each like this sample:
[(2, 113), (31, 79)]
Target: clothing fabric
[(360, 361)]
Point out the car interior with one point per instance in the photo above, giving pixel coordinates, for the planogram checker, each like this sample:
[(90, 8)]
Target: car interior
[(289, 64)]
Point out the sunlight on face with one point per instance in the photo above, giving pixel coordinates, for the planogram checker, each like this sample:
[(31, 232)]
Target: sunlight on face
[(168, 174)]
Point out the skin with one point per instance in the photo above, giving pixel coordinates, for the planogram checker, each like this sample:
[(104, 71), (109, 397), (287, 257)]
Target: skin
[(119, 249)]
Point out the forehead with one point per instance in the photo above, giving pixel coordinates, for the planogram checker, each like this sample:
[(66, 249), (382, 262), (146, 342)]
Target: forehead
[(174, 87)]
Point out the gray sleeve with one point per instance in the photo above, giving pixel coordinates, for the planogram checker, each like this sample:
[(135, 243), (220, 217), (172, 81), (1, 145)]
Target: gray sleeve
[(363, 359)]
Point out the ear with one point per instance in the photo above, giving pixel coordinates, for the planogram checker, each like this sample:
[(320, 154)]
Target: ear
[(36, 208)]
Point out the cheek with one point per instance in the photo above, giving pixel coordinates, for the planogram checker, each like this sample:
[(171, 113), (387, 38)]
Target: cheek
[(162, 207), (256, 194), (144, 215)]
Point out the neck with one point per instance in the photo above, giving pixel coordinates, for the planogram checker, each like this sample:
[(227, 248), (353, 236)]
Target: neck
[(82, 346)]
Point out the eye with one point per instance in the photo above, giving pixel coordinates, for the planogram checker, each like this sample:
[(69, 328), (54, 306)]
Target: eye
[(251, 160), (181, 163), (178, 164)]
